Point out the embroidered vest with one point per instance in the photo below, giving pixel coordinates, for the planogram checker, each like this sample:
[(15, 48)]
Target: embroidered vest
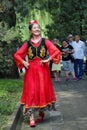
[(39, 51)]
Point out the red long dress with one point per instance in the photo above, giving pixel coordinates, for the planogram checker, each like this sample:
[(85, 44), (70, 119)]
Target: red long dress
[(38, 91)]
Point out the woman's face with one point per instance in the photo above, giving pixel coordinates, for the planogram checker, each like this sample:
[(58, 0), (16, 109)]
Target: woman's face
[(35, 30)]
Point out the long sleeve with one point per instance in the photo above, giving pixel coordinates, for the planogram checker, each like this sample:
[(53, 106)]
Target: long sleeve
[(20, 55), (54, 52)]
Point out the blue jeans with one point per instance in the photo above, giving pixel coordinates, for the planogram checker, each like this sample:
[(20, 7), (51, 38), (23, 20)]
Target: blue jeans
[(78, 67)]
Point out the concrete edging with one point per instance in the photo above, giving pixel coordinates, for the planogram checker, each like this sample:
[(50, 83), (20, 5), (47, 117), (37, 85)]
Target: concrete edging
[(14, 118)]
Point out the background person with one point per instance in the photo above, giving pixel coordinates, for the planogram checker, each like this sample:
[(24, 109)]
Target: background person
[(86, 58), (70, 39), (56, 68), (67, 50), (70, 42), (79, 53)]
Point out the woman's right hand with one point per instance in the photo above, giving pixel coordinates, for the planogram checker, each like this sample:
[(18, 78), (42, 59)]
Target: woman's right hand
[(26, 64)]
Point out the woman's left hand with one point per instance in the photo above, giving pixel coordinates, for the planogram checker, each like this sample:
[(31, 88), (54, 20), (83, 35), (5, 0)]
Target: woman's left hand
[(45, 61)]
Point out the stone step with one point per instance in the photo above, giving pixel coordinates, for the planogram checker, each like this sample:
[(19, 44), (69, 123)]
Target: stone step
[(51, 118)]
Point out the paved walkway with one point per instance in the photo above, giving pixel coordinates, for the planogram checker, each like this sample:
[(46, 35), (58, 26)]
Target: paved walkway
[(71, 107)]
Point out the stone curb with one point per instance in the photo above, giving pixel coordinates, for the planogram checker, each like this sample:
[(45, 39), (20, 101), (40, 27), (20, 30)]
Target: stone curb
[(14, 118)]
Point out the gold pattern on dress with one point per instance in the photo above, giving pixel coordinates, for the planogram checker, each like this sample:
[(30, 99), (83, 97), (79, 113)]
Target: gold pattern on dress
[(30, 54), (42, 51)]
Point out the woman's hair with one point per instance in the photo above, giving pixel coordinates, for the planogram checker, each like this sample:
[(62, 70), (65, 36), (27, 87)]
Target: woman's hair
[(64, 40), (30, 26)]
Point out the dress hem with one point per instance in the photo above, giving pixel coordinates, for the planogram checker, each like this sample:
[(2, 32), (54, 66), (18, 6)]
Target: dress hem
[(38, 106)]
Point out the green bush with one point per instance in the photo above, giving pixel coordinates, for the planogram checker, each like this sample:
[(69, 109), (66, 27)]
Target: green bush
[(10, 92), (8, 46)]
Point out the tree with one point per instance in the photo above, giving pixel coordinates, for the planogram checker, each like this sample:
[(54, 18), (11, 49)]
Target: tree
[(60, 17), (7, 40), (68, 17)]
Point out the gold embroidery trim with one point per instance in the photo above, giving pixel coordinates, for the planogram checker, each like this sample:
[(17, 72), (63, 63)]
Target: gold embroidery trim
[(42, 51), (30, 53), (38, 106)]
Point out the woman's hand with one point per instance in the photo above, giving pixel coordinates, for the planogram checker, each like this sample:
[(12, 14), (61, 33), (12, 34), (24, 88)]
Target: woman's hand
[(45, 61), (26, 64)]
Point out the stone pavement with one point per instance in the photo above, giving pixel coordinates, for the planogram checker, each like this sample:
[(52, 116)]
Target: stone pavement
[(71, 113)]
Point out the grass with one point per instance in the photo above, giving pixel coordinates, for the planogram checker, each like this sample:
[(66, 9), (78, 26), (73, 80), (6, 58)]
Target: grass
[(10, 92)]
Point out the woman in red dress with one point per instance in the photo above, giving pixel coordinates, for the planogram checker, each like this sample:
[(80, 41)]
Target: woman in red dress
[(38, 91)]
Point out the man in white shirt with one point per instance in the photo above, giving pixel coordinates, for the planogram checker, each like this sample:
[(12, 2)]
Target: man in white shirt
[(86, 58), (79, 49)]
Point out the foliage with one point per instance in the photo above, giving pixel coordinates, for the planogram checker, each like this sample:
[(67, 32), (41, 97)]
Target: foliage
[(68, 17), (8, 37), (10, 92), (22, 29), (57, 18), (28, 10), (3, 122), (8, 34), (8, 46), (7, 12)]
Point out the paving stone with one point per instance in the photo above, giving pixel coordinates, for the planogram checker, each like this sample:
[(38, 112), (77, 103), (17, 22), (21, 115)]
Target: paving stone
[(82, 124), (66, 126)]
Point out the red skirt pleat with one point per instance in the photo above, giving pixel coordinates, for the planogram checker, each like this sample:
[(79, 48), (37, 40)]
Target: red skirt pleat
[(38, 91)]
